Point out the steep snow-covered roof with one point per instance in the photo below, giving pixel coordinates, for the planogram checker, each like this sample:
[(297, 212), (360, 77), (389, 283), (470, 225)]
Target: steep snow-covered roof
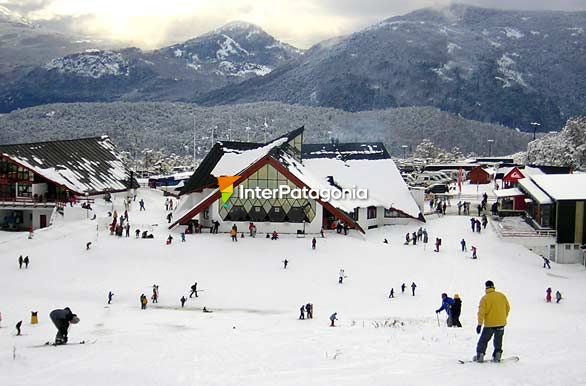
[(88, 165), (534, 191), (508, 193), (562, 186)]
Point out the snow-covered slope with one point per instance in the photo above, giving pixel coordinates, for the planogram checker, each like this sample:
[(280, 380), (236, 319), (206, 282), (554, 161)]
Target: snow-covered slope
[(91, 63), (253, 337)]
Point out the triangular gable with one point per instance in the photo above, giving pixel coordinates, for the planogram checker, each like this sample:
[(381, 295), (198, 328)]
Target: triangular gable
[(216, 194), (513, 175)]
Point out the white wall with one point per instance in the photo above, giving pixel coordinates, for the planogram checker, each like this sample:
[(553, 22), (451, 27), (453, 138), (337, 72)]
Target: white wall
[(40, 189), (569, 256)]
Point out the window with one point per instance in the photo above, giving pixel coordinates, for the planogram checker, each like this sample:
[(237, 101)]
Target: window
[(354, 214), (206, 214), (371, 212)]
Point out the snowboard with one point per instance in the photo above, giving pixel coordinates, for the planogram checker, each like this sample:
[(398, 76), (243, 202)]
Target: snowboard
[(49, 343), (503, 360)]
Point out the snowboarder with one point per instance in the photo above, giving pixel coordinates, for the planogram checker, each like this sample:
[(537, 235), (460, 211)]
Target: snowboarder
[(20, 261), (341, 276), (285, 262), (62, 318), (18, 328), (447, 303), (302, 312), (313, 242), (473, 248), (193, 290), (141, 203), (392, 293), (463, 244), (333, 318), (205, 310), (546, 263), (88, 245), (110, 296), (456, 310), (183, 300), (413, 286), (143, 302), (548, 295), (26, 262), (558, 296), (493, 311), (403, 286)]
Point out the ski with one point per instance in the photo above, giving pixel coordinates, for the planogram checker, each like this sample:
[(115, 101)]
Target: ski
[(507, 359), (49, 343)]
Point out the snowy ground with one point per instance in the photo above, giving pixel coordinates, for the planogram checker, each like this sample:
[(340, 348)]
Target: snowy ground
[(254, 336)]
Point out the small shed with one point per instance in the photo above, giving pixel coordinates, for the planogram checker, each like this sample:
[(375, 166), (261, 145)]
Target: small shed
[(511, 201), (479, 176)]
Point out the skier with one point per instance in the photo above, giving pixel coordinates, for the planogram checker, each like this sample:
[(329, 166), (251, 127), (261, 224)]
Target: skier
[(546, 263), (141, 203), (137, 233), (413, 286), (474, 256), (414, 238), (333, 318), (407, 238), (183, 300), (463, 244), (425, 239), (548, 295), (169, 217), (473, 224), (110, 295), (155, 297), (285, 262), (205, 310), (62, 319), (403, 286), (478, 228), (479, 207), (447, 303), (438, 242), (302, 312), (143, 302), (484, 221), (88, 245), (419, 234), (341, 276), (18, 328), (182, 237), (20, 261), (169, 240), (459, 208), (385, 241), (193, 290), (345, 227), (234, 234), (456, 310), (313, 243), (321, 233), (26, 261), (558, 296), (127, 229), (309, 310), (392, 293), (493, 311)]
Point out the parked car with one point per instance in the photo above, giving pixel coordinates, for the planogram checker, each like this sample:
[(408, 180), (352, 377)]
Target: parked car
[(437, 188)]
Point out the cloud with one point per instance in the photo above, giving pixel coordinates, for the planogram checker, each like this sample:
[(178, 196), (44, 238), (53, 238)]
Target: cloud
[(153, 23)]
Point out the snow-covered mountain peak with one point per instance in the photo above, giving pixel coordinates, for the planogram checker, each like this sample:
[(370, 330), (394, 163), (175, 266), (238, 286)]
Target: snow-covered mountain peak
[(239, 26), (12, 17), (91, 63)]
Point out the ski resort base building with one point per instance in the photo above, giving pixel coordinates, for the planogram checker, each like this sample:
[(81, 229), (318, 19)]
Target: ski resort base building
[(41, 180), (291, 187)]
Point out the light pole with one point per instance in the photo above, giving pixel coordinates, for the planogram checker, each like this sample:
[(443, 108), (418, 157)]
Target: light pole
[(490, 141), (535, 125), (404, 151)]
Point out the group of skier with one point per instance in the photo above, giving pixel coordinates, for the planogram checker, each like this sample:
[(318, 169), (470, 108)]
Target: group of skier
[(306, 311), (22, 261), (403, 287), (558, 295)]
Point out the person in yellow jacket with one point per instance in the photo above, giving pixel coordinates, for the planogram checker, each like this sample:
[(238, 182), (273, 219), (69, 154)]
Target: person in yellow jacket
[(493, 311)]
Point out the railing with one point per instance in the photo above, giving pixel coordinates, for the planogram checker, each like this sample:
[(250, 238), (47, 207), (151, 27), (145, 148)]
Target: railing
[(26, 202)]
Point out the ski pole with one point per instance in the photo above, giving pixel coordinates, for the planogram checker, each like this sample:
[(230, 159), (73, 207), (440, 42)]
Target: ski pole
[(438, 323)]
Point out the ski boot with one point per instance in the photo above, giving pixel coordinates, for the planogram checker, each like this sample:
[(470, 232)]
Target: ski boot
[(496, 357), (478, 358)]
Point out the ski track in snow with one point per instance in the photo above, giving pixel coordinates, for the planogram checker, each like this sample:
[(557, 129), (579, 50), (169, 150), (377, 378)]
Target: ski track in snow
[(253, 337)]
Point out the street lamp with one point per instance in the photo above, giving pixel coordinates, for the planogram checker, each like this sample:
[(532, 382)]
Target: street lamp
[(535, 125), (490, 141), (404, 151)]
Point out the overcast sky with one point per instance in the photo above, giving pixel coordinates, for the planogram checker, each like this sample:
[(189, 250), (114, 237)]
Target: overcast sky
[(153, 23)]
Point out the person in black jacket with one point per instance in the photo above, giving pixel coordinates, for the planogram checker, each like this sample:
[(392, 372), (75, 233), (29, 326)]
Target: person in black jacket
[(62, 319), (456, 310)]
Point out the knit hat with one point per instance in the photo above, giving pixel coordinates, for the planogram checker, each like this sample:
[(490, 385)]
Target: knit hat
[(489, 284), (456, 296)]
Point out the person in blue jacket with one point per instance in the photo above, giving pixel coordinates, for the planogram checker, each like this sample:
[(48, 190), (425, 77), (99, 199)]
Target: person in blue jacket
[(447, 303)]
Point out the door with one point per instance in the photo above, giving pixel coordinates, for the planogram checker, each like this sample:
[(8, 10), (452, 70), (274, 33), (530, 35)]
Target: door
[(43, 221)]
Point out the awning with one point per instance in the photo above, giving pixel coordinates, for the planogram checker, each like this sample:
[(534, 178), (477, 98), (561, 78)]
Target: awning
[(512, 192)]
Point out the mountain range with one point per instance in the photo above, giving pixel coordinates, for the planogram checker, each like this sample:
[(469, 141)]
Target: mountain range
[(506, 67)]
